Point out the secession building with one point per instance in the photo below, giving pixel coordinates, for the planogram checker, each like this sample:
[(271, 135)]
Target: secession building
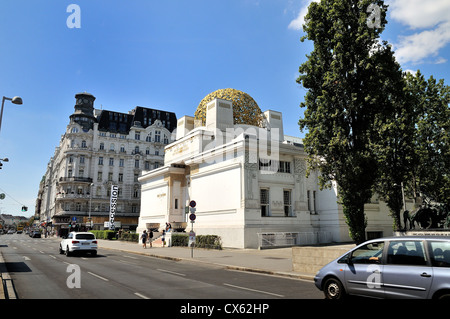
[(101, 148), (248, 181)]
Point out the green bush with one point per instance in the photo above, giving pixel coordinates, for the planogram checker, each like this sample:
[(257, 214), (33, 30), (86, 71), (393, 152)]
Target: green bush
[(208, 241), (126, 236), (104, 234), (201, 241), (180, 239)]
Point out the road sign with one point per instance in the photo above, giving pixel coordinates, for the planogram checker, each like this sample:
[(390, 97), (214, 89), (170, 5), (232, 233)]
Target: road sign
[(191, 238), (192, 217), (192, 203)]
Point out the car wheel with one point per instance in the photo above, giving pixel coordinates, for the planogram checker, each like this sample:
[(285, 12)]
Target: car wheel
[(333, 289), (67, 251), (94, 253), (444, 296), (61, 251)]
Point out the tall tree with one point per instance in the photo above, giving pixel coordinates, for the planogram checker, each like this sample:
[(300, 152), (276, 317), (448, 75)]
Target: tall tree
[(350, 77), (395, 149), (431, 100)]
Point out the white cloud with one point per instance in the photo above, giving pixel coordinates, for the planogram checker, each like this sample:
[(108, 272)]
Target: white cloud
[(420, 47), (297, 23), (420, 13), (428, 20), (432, 20)]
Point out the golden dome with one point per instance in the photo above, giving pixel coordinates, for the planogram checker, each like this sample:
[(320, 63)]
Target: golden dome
[(245, 109)]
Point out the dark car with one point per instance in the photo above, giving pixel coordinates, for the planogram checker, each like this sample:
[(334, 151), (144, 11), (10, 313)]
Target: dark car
[(35, 234)]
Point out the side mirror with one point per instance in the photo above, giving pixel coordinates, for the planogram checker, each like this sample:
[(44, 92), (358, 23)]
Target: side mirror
[(63, 237), (345, 260)]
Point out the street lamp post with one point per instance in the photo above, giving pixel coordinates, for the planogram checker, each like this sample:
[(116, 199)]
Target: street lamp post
[(3, 160), (14, 100)]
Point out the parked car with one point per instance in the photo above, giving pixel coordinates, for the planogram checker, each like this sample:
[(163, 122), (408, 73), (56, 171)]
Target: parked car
[(35, 234), (395, 267), (78, 242)]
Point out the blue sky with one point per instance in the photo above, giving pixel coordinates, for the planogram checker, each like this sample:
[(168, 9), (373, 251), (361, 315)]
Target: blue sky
[(166, 55)]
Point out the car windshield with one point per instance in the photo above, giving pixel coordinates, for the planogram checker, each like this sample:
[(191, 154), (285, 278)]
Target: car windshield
[(85, 236)]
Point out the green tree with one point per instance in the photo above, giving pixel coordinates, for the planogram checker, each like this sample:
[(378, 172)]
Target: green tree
[(395, 150), (350, 77), (431, 100)]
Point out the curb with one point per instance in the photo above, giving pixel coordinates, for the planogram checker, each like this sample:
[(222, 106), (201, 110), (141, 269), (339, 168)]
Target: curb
[(6, 288), (301, 276)]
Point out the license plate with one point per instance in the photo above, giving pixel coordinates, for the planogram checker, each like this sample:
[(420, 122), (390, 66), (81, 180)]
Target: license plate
[(85, 243)]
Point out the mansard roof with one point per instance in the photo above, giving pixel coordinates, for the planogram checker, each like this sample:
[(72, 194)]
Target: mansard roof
[(112, 121)]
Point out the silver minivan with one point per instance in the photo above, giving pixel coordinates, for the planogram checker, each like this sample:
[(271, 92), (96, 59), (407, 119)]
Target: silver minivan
[(394, 267)]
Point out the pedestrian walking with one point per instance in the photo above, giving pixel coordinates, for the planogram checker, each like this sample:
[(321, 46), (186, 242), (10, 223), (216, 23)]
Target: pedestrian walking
[(150, 237), (144, 238)]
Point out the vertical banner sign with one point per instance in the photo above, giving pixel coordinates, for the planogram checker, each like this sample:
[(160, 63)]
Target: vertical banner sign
[(113, 205)]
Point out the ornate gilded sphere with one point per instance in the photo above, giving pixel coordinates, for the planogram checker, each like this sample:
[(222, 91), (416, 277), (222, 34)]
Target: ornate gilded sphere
[(245, 109)]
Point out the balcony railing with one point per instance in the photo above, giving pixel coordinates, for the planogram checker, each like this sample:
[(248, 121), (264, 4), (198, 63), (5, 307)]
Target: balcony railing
[(76, 179)]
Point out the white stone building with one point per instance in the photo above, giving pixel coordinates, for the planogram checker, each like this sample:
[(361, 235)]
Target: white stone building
[(101, 148), (249, 184)]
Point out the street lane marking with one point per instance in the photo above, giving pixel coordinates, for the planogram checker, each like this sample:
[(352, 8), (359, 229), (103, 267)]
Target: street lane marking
[(52, 256), (132, 257), (41, 252), (172, 272), (255, 290), (127, 262), (140, 295), (95, 275), (26, 258)]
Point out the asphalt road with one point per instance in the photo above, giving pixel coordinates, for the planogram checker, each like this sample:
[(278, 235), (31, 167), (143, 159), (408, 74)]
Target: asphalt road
[(38, 271)]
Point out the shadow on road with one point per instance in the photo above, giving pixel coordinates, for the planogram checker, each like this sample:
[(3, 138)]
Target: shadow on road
[(15, 266)]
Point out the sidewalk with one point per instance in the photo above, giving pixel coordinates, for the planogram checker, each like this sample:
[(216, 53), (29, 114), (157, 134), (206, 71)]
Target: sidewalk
[(277, 261)]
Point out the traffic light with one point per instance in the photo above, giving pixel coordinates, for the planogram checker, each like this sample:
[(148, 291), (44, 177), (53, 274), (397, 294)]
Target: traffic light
[(24, 208)]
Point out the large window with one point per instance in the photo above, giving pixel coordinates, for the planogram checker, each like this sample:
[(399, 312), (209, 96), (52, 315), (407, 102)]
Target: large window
[(265, 208), (285, 167), (287, 198)]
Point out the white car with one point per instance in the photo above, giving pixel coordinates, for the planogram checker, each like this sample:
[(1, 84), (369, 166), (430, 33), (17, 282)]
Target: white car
[(78, 242)]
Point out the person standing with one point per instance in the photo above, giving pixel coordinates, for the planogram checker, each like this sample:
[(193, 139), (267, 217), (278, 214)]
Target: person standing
[(144, 238), (150, 237)]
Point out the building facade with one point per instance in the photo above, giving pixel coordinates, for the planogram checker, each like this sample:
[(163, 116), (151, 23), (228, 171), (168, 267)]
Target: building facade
[(249, 184), (101, 148)]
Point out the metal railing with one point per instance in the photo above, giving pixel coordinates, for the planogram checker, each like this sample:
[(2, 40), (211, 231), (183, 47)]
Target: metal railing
[(286, 239)]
